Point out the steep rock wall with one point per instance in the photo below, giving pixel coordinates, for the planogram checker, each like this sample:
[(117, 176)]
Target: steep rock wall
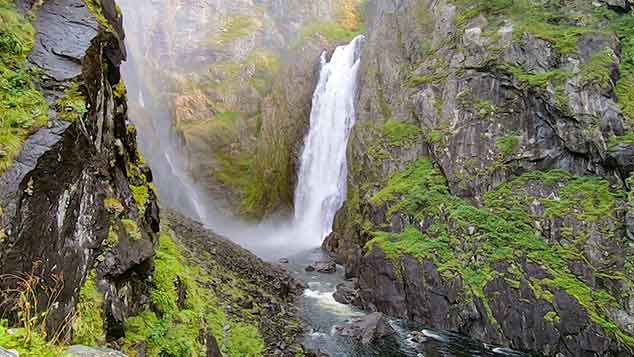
[(77, 203), (488, 183)]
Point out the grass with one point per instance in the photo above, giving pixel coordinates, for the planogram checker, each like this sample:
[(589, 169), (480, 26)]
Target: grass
[(22, 107), (503, 230), (507, 145), (597, 71), (173, 327), (550, 20), (625, 86), (538, 80), (88, 323), (14, 339)]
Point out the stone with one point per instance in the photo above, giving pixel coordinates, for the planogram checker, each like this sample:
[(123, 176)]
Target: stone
[(8, 353), (368, 329), (346, 293), (84, 351), (325, 267)]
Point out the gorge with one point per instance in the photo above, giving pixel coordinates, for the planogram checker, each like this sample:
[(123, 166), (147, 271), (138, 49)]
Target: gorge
[(465, 166)]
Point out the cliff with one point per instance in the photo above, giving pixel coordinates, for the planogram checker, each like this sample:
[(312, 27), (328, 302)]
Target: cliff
[(84, 256), (490, 172)]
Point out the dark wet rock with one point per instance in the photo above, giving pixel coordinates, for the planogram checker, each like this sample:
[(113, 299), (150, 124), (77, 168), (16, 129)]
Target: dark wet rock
[(347, 293), (84, 351), (65, 31), (368, 329), (622, 157), (326, 267), (212, 346)]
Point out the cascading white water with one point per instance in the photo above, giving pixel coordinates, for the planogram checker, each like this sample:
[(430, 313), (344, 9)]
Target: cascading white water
[(321, 187)]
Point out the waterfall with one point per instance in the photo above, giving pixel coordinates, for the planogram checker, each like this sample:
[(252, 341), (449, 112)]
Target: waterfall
[(321, 187)]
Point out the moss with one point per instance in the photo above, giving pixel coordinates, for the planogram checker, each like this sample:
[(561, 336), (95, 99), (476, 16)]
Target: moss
[(552, 317), (14, 339), (173, 327), (113, 237), (22, 107), (88, 323), (120, 90), (95, 8), (237, 27), (400, 134), (141, 195), (508, 144), (131, 229), (113, 205), (503, 230), (72, 106)]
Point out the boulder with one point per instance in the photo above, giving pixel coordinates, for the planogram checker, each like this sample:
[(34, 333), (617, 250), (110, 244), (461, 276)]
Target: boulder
[(85, 351), (346, 293), (368, 329), (326, 267), (8, 353)]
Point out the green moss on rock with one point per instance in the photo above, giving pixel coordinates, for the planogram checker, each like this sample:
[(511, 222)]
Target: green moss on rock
[(72, 106), (173, 326), (505, 229), (88, 323), (22, 107), (400, 134), (131, 229)]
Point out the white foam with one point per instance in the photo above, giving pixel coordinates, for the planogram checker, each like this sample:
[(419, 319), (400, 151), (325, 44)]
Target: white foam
[(327, 302)]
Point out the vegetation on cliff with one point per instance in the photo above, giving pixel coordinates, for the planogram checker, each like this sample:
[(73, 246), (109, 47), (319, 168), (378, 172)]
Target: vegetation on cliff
[(22, 107), (466, 242), (182, 310)]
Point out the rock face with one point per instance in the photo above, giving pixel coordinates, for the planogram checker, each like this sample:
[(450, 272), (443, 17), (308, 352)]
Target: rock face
[(73, 181), (489, 173), (236, 78)]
